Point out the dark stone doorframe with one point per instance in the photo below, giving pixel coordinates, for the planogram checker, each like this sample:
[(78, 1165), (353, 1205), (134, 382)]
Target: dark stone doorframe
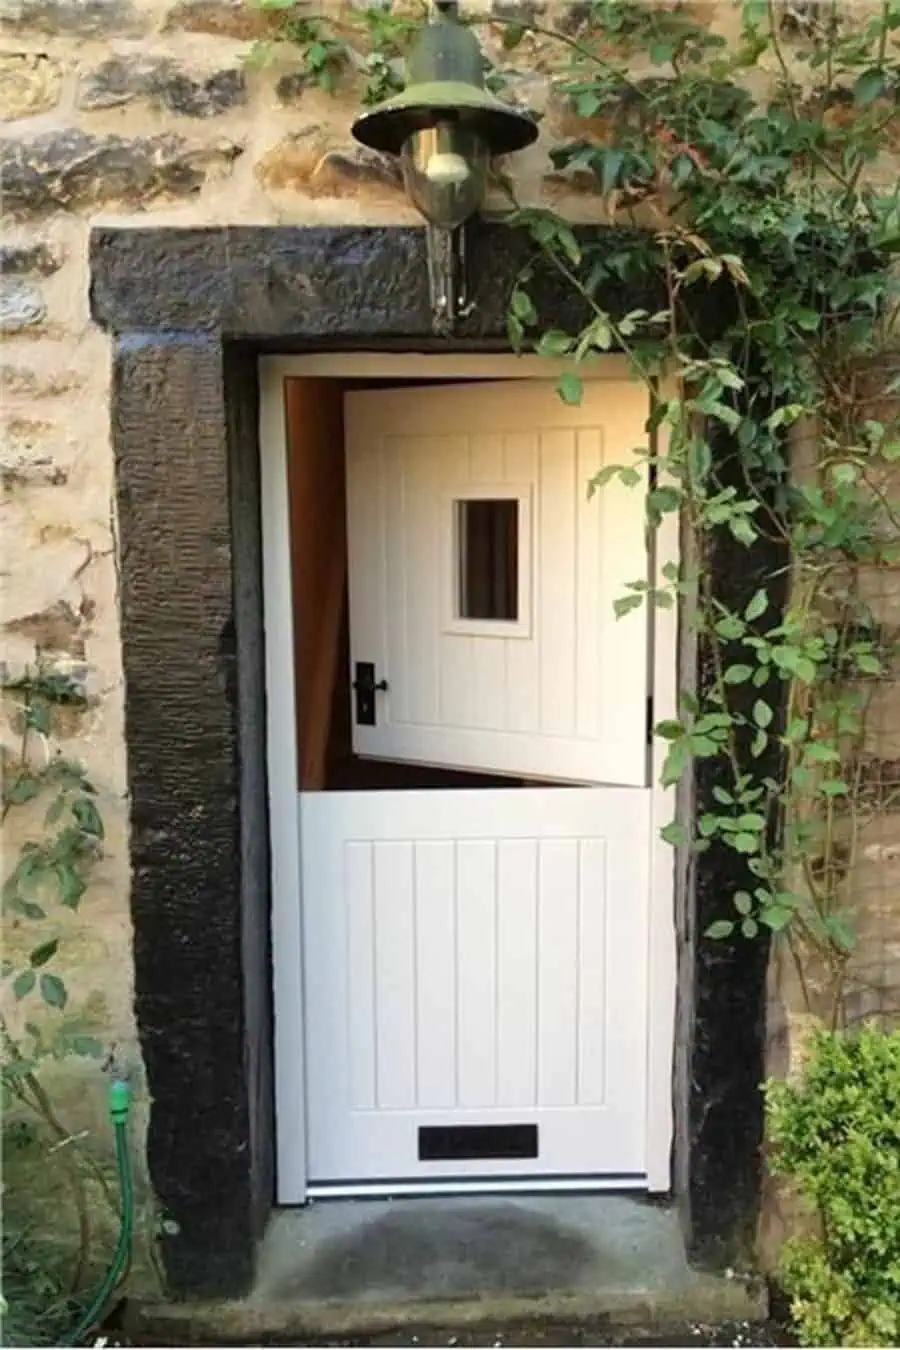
[(189, 312)]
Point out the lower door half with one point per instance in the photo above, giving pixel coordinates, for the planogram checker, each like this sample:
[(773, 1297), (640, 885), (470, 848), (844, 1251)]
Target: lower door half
[(475, 970)]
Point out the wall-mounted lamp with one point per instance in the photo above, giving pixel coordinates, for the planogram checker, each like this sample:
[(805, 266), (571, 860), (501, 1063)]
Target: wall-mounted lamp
[(445, 127)]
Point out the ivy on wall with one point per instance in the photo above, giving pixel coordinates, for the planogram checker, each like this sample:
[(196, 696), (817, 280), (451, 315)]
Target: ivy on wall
[(759, 173)]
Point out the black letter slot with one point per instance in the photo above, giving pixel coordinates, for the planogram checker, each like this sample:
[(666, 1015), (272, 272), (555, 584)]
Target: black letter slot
[(439, 1143)]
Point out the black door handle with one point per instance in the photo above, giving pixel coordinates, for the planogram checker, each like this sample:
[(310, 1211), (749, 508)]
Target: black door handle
[(365, 687)]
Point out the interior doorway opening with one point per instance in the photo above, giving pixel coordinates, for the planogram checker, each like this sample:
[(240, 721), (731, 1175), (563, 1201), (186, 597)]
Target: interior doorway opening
[(474, 964), (317, 487)]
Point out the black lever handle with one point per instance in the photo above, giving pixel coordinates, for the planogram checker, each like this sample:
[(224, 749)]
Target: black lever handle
[(365, 686)]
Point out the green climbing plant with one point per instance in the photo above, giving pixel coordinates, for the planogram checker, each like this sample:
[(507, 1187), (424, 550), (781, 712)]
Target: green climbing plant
[(368, 42), (48, 873), (751, 179), (777, 212)]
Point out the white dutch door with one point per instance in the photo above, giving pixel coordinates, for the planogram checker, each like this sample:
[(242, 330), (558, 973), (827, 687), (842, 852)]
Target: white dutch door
[(476, 960)]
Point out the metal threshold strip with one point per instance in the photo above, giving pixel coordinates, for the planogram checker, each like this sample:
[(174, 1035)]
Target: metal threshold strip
[(344, 1190)]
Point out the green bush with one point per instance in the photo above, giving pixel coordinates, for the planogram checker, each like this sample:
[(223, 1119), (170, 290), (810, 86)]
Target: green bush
[(836, 1134)]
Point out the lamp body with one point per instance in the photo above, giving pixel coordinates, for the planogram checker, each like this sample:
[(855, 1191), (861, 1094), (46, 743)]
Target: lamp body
[(445, 127), (446, 93), (445, 172)]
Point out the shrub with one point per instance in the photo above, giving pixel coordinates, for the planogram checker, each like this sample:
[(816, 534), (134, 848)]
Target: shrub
[(836, 1134)]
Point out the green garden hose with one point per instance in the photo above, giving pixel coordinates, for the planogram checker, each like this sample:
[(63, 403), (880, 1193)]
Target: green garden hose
[(119, 1105)]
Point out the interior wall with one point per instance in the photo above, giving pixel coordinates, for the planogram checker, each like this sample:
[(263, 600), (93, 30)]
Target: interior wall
[(315, 436)]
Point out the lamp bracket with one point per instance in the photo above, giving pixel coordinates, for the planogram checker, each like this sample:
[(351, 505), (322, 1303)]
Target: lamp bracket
[(447, 277)]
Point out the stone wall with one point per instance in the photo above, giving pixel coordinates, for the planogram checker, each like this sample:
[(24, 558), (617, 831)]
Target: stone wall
[(139, 112), (133, 112)]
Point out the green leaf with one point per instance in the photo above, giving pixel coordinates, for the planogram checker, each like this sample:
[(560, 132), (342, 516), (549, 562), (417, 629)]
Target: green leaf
[(762, 713), (870, 85), (23, 788), (674, 833), (669, 729), (757, 606), (840, 930), (513, 34), (738, 674), (744, 843), (37, 715), (754, 12), (721, 928), (611, 169), (742, 902), (53, 991), (808, 319), (30, 910), (554, 343), (834, 787), (731, 628), (71, 885), (803, 668), (674, 765), (55, 809), (87, 1046), (570, 388), (522, 307), (602, 477), (703, 747), (725, 798), (44, 953), (749, 928), (625, 603), (760, 741), (722, 413), (821, 753), (565, 238), (776, 917), (88, 817), (24, 983)]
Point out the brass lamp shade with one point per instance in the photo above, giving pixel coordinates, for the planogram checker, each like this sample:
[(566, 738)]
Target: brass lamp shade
[(446, 84)]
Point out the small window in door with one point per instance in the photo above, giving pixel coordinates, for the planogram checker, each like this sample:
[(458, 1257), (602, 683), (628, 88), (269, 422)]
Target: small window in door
[(487, 550), (489, 562)]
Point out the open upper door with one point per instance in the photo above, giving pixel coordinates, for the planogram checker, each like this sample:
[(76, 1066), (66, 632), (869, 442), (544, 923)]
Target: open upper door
[(482, 580)]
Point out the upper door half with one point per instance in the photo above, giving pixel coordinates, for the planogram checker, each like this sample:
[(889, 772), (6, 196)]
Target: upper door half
[(482, 579)]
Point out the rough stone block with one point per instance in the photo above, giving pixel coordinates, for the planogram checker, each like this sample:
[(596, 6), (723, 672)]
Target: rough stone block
[(304, 163), (65, 170), (290, 164), (224, 18), (27, 382), (163, 84), (38, 256), (291, 87), (30, 83), (354, 172), (26, 455), (80, 18), (21, 305), (58, 629)]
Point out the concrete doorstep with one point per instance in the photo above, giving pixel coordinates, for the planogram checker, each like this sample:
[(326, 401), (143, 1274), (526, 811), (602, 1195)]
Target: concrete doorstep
[(338, 1269)]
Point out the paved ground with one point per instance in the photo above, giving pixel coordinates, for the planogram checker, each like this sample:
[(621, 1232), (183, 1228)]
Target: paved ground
[(742, 1334), (411, 1270)]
